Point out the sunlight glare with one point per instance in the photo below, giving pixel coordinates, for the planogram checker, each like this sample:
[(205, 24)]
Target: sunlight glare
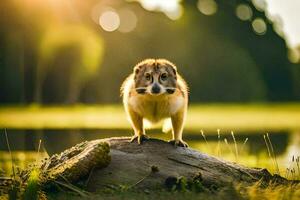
[(175, 14), (84, 38), (171, 8), (109, 20), (259, 4)]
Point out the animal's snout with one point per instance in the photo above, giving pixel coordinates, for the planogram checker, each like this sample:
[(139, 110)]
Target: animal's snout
[(155, 89)]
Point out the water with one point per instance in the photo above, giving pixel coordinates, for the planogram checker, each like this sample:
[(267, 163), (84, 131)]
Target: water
[(55, 141)]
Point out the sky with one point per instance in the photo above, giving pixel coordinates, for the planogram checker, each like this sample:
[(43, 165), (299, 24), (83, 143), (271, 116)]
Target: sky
[(289, 11)]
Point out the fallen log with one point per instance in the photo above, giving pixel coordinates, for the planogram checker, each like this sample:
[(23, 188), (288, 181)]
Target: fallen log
[(70, 167), (156, 164)]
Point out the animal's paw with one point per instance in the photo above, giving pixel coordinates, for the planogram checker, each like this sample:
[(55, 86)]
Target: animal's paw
[(179, 143), (140, 138)]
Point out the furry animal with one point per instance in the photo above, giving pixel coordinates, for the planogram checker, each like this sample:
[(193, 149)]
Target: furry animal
[(155, 91)]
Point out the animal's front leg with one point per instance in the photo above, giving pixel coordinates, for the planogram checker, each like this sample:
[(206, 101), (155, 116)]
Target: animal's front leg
[(137, 125), (178, 123)]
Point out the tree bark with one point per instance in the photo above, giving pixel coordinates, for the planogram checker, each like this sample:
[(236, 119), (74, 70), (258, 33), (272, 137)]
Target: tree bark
[(117, 162), (152, 164)]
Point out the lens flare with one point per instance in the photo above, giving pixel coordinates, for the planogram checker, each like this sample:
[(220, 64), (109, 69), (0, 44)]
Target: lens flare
[(259, 26), (176, 13), (243, 12), (109, 20), (128, 21), (171, 8), (207, 7)]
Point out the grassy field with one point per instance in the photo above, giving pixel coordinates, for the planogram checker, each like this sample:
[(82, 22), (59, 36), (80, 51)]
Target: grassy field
[(243, 117), (239, 118), (226, 151), (226, 117)]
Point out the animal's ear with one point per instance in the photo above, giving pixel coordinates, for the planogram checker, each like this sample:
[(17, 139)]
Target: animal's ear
[(173, 69), (137, 69)]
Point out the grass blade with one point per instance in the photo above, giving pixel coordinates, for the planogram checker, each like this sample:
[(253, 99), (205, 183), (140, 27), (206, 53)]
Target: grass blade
[(235, 146), (202, 133), (219, 141), (243, 145), (273, 153), (11, 157)]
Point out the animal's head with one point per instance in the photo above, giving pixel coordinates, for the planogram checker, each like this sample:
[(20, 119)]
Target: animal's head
[(155, 77)]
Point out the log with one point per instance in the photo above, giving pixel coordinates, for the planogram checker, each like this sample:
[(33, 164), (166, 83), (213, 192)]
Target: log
[(155, 163), (72, 165), (66, 168)]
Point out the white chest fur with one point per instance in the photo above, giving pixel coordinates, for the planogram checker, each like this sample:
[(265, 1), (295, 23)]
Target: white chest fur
[(156, 108)]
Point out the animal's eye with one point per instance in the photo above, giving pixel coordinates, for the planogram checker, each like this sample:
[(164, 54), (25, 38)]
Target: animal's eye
[(148, 76), (163, 77)]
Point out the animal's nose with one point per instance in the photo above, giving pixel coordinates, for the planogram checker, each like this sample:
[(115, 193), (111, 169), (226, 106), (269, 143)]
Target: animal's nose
[(155, 89)]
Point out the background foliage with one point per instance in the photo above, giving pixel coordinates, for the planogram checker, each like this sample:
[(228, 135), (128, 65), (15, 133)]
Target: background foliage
[(56, 52)]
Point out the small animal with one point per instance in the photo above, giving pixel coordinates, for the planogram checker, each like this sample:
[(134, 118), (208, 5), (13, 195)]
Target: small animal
[(153, 92)]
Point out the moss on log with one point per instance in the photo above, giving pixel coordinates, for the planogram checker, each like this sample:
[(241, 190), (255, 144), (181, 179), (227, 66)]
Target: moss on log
[(70, 166), (77, 162)]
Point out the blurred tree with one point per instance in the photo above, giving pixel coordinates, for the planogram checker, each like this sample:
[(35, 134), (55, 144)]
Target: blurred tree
[(221, 56), (227, 50), (268, 50), (73, 54), (294, 56)]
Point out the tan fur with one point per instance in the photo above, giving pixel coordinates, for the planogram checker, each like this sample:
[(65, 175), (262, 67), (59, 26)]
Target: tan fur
[(155, 108)]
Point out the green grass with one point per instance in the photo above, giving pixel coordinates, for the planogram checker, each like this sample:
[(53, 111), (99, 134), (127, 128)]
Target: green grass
[(226, 151), (233, 192), (241, 118), (227, 117)]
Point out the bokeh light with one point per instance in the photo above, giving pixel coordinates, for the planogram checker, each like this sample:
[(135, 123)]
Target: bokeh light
[(150, 5), (277, 24), (171, 8), (109, 20), (259, 26), (128, 21), (244, 12), (165, 5), (259, 4), (176, 13), (207, 7)]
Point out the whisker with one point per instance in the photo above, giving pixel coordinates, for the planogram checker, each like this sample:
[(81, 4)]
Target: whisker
[(141, 90), (171, 88), (138, 88)]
